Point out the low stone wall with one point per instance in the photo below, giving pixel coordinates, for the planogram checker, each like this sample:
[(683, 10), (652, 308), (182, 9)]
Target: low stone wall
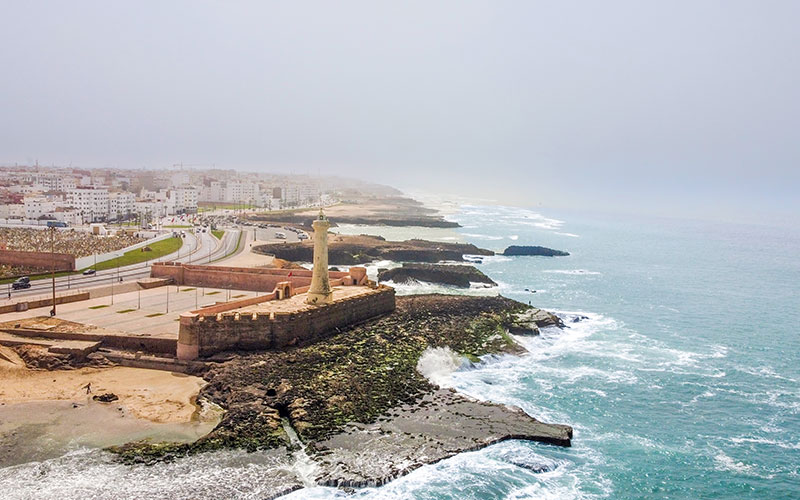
[(43, 260), (203, 335), (131, 342), (242, 278), (25, 304)]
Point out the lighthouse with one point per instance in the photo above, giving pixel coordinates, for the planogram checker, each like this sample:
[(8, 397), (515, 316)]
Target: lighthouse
[(320, 291)]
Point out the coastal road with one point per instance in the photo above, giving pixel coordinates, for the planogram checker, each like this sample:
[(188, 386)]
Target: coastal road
[(198, 248)]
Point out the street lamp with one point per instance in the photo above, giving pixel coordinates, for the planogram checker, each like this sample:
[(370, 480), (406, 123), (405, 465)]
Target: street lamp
[(53, 266)]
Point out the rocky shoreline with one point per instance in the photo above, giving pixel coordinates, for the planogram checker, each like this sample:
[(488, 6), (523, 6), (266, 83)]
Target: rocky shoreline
[(352, 250), (393, 210), (455, 275), (363, 412)]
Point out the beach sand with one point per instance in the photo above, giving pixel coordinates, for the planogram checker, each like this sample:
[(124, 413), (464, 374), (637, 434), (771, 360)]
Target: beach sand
[(158, 396), (45, 414)]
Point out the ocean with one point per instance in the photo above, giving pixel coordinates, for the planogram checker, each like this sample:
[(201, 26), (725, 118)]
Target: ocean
[(680, 377)]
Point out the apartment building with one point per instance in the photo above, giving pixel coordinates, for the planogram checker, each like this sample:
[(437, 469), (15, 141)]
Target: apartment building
[(91, 203)]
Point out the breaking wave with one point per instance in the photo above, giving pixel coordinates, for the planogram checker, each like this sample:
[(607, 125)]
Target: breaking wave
[(437, 364)]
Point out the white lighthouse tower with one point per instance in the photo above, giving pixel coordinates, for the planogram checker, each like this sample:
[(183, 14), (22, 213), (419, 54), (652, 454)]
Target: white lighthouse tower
[(320, 292)]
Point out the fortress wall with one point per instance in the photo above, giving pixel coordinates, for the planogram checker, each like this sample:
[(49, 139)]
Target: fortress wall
[(202, 335), (43, 260), (235, 304), (238, 278)]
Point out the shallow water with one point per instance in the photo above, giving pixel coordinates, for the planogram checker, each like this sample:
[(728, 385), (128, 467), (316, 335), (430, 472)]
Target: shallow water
[(682, 381), (41, 430)]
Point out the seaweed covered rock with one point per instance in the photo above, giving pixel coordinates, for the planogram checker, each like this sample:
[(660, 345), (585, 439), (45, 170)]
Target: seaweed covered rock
[(363, 384)]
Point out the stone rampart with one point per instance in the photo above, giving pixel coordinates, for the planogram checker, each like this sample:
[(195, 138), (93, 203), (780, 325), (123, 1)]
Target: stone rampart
[(202, 334), (242, 278), (42, 260)]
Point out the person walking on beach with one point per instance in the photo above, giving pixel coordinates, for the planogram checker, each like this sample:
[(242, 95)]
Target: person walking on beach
[(88, 388)]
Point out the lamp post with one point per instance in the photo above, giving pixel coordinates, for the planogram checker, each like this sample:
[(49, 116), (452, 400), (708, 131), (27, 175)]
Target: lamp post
[(53, 266)]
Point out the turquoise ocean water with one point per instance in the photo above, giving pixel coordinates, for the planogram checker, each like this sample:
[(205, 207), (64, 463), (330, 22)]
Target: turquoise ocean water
[(682, 382)]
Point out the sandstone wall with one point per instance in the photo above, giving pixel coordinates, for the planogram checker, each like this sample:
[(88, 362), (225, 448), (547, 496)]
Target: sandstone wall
[(44, 260), (236, 278), (205, 335)]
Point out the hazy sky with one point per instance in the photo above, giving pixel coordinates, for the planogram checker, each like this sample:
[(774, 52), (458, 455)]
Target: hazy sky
[(691, 106)]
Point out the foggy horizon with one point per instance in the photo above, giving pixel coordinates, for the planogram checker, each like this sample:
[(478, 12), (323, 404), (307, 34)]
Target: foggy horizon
[(687, 108)]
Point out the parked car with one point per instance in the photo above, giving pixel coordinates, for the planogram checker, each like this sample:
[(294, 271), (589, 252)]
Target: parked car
[(21, 283), (88, 272), (302, 236), (280, 236)]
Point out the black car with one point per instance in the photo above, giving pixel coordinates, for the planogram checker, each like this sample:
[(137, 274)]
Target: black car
[(89, 272), (21, 283)]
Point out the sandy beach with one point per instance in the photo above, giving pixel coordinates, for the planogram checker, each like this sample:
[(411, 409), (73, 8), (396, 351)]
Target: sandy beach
[(158, 396), (44, 414)]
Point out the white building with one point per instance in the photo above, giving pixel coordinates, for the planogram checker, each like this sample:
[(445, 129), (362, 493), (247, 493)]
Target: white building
[(184, 200), (121, 205), (241, 192), (12, 211), (149, 209), (53, 182), (36, 206), (91, 203), (69, 215), (214, 193)]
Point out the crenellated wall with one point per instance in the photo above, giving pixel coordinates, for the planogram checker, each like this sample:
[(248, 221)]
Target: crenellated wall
[(203, 333)]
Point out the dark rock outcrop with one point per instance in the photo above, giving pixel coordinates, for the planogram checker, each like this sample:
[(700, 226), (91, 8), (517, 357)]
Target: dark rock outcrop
[(353, 250), (528, 322), (515, 250), (460, 276), (107, 397)]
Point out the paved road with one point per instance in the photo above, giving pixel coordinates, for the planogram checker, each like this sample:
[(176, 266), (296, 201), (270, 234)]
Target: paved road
[(198, 248)]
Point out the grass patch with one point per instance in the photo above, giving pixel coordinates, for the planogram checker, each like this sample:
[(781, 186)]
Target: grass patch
[(235, 250), (125, 311), (188, 289), (153, 315), (218, 233), (212, 293), (208, 207), (98, 307), (240, 296), (137, 256)]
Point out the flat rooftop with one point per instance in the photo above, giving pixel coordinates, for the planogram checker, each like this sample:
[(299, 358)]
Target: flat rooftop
[(298, 302)]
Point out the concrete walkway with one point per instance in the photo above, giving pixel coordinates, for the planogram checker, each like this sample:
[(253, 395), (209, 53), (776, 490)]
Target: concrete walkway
[(154, 312)]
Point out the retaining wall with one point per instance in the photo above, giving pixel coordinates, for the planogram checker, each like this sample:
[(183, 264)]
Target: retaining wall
[(43, 260), (33, 303)]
